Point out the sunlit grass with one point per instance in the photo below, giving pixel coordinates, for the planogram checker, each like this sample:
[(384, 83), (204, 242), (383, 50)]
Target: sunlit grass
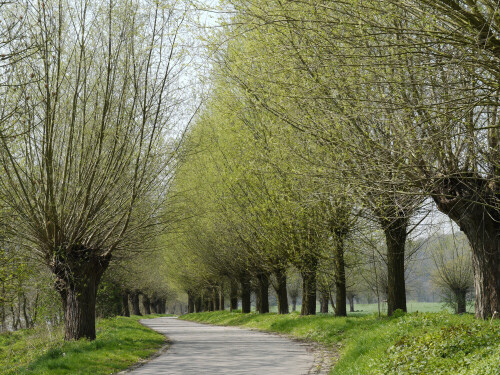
[(120, 343)]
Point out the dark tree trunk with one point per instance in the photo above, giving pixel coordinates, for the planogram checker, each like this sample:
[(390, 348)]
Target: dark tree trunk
[(206, 303), (350, 297), (134, 301), (323, 303), (246, 292), (125, 309), (339, 264), (146, 304), (154, 304), (211, 306), (162, 305), (190, 302), (233, 296), (281, 291), (294, 304), (198, 304), (77, 279), (221, 298), (395, 236), (309, 292), (461, 296), (263, 292), (216, 300)]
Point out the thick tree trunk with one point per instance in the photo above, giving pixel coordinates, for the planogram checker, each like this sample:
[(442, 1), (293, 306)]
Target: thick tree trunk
[(190, 302), (323, 303), (263, 292), (246, 292), (281, 291), (233, 296), (470, 202), (134, 301), (146, 305), (309, 292), (125, 309), (77, 279), (395, 236)]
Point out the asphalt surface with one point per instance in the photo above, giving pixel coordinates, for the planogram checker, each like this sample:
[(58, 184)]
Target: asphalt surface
[(204, 349)]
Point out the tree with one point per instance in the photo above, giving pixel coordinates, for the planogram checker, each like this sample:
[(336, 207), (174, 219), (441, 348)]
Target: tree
[(454, 274), (92, 160)]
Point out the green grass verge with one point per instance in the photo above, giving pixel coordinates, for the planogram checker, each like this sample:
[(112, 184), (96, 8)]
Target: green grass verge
[(120, 343), (416, 343)]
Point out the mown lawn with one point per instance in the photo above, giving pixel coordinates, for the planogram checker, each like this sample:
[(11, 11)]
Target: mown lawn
[(120, 343), (416, 343)]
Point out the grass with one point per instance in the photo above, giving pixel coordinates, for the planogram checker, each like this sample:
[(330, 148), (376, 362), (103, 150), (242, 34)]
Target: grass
[(415, 343), (372, 308), (120, 343)]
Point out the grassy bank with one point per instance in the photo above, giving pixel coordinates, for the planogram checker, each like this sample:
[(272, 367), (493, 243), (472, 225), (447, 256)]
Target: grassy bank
[(120, 343), (417, 343)]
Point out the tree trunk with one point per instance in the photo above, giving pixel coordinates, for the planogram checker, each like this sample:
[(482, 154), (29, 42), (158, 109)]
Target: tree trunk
[(77, 279), (457, 197), (395, 236), (460, 296), (246, 292), (263, 292), (221, 298), (233, 296), (146, 304), (308, 292), (190, 302), (27, 320), (216, 300), (281, 291), (323, 303), (125, 309), (350, 297), (294, 304), (198, 305), (340, 283), (134, 300)]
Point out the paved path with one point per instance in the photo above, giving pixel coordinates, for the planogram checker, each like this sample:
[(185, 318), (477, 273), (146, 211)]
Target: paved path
[(202, 349)]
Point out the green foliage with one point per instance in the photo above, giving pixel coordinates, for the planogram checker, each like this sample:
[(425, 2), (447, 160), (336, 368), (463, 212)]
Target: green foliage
[(415, 343), (120, 343)]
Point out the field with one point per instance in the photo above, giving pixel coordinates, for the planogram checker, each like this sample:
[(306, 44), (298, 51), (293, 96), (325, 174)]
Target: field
[(414, 343), (121, 342), (372, 308)]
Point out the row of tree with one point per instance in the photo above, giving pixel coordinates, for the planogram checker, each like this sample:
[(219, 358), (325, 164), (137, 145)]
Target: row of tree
[(329, 123)]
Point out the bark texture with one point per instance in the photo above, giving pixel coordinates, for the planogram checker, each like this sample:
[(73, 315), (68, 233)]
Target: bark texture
[(78, 274), (246, 292), (395, 231), (263, 292), (308, 292), (281, 291)]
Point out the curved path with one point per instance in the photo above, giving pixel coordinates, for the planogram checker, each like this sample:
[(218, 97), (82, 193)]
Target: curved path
[(204, 349)]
